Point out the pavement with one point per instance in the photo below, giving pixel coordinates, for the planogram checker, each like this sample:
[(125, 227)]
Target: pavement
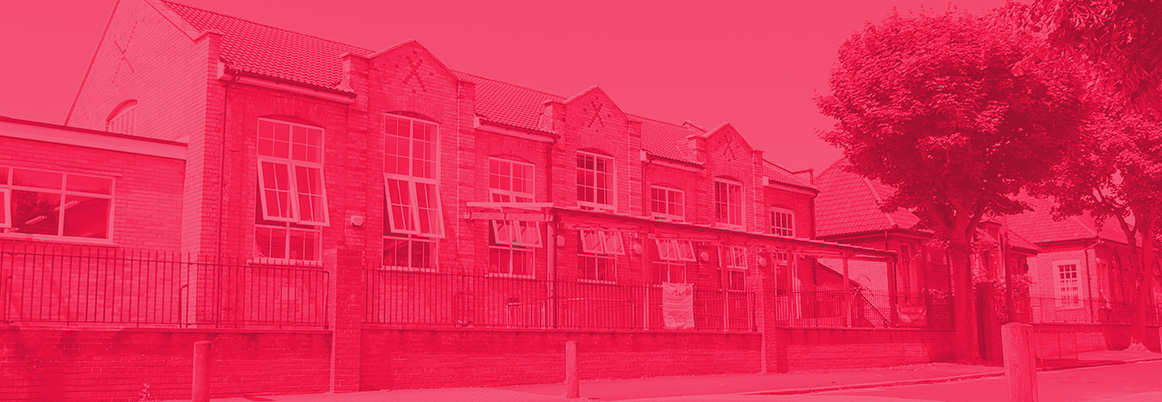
[(920, 382)]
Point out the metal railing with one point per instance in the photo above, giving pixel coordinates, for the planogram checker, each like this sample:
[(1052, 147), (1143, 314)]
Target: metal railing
[(431, 299), (77, 284), (1074, 310), (860, 309)]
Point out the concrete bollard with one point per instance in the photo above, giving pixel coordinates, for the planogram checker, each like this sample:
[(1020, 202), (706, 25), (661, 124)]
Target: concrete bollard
[(572, 381), (1020, 361), (201, 388)]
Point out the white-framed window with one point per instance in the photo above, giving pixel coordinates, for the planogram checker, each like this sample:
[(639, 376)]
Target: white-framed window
[(290, 173), (667, 203), (287, 241), (510, 181), (597, 260), (732, 268), (46, 204), (511, 244), (1067, 284), (123, 119), (595, 181), (292, 196), (410, 169), (1103, 282), (783, 222), (728, 202), (672, 257), (409, 252)]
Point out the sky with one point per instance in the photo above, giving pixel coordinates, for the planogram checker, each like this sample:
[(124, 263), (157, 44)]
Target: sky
[(756, 64)]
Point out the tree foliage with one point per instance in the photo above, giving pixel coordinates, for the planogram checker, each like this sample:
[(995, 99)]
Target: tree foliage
[(1120, 39), (1115, 174), (930, 105)]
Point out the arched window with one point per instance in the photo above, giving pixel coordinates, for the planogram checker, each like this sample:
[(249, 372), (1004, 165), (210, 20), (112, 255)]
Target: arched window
[(123, 118)]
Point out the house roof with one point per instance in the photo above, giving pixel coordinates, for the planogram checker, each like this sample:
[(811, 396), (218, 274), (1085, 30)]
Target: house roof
[(272, 52), (268, 51), (1039, 226), (779, 174), (849, 203)]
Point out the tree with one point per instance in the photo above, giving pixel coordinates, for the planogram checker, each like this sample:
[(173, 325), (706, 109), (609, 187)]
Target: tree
[(1121, 40), (1116, 175), (929, 104)]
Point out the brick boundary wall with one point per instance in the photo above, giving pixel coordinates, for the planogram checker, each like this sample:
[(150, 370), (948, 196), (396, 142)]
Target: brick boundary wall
[(410, 358), (112, 364), (1065, 341), (825, 348)]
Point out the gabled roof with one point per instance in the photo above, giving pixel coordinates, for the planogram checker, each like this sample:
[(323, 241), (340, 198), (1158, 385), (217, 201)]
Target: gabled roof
[(667, 140), (277, 53), (1039, 227), (272, 52), (849, 203), (508, 104), (779, 174)]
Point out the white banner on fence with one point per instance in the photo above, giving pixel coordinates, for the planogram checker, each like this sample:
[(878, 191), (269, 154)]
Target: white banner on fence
[(678, 305)]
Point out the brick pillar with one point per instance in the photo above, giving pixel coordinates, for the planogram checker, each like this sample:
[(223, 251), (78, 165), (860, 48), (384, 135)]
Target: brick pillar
[(345, 316), (774, 348)]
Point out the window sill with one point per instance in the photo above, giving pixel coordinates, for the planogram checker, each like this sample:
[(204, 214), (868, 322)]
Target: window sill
[(286, 262), (596, 281), (57, 239), (409, 269), (668, 218), (508, 276), (585, 206)]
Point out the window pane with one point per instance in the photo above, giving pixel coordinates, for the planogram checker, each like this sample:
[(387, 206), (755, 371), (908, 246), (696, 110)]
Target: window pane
[(399, 205), (311, 196), (395, 252), (276, 187), (4, 210), (35, 212), (497, 260), (422, 254), (270, 242), (86, 217), (522, 262), (428, 208), (33, 178), (87, 184), (3, 175), (304, 245)]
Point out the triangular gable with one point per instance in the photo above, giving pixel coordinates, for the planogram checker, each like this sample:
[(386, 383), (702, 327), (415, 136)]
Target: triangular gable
[(725, 141), (591, 104), (417, 49)]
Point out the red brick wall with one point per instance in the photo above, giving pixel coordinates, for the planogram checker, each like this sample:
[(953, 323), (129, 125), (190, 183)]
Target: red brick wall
[(395, 359), (111, 365), (147, 189), (827, 348), (800, 204)]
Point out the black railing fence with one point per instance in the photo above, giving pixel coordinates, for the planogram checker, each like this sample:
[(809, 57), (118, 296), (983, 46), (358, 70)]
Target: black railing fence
[(78, 284), (1077, 310), (430, 299), (861, 308)]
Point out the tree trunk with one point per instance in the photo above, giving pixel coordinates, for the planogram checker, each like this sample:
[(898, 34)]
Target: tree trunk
[(1143, 301), (965, 323)]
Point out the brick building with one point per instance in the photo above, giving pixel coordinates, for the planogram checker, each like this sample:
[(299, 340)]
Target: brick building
[(1083, 273), (378, 191)]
